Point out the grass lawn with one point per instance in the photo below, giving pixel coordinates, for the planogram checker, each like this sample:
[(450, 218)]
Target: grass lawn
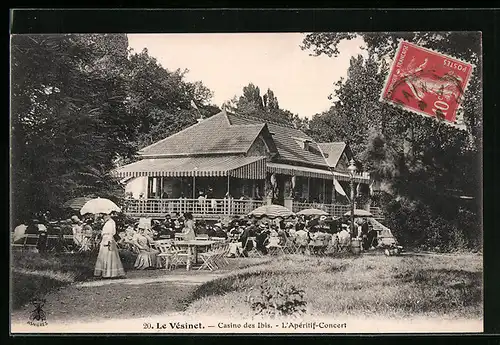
[(53, 276), (34, 275), (367, 285)]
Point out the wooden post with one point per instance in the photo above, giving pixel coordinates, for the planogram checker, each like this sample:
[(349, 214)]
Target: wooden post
[(308, 189), (333, 189), (158, 187), (194, 187), (150, 187), (352, 206), (324, 192)]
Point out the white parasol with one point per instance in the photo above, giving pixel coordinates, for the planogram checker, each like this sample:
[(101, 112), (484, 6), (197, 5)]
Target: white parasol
[(99, 205), (312, 212), (271, 211)]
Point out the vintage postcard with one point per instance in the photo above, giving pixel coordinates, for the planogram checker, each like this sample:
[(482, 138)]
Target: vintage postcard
[(246, 183)]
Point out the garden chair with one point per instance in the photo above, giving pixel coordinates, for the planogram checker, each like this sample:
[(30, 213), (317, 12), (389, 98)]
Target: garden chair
[(318, 246), (166, 252), (225, 248), (274, 247), (181, 255), (209, 259), (333, 245), (254, 251), (290, 246), (220, 252), (345, 246), (241, 251), (218, 255), (223, 251)]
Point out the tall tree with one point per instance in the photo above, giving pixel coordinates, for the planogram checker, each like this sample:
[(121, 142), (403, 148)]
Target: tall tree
[(69, 120), (80, 106), (355, 108), (462, 45), (426, 165), (161, 100), (266, 107)]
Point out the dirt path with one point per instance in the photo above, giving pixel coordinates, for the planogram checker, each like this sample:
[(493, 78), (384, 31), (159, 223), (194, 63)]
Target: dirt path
[(140, 294)]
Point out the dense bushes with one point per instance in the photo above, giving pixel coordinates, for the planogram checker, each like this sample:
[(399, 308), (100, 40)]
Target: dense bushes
[(418, 225), (281, 300)]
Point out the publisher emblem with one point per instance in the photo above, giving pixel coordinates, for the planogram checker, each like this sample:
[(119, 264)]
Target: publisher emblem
[(37, 315)]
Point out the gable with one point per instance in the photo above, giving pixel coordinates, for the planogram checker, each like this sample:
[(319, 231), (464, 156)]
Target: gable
[(343, 162), (287, 140), (258, 148), (336, 154)]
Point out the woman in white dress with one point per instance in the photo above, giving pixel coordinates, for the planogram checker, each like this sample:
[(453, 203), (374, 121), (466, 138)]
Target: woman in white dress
[(77, 228), (188, 232), (108, 263), (147, 257)]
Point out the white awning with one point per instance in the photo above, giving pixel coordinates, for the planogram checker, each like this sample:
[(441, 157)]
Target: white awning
[(253, 167), (293, 170)]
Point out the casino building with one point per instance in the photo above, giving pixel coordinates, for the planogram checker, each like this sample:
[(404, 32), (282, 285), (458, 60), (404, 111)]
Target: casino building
[(229, 164)]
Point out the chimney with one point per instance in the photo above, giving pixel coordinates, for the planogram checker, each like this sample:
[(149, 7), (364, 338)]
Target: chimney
[(306, 144)]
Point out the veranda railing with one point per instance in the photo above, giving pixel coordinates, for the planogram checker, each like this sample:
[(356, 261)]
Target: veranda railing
[(206, 207)]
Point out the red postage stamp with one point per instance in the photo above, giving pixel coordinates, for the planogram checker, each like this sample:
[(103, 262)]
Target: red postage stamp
[(426, 82)]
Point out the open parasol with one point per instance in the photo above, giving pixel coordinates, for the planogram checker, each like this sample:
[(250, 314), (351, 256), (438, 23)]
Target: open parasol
[(312, 212), (99, 205), (271, 211), (359, 213)]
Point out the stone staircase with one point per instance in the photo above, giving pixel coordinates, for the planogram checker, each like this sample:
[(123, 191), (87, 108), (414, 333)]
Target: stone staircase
[(384, 233)]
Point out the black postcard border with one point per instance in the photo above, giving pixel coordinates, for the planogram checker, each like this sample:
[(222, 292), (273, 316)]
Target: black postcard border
[(24, 21)]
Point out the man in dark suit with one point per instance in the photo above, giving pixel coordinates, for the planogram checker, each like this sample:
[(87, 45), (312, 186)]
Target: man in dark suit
[(244, 240), (364, 234)]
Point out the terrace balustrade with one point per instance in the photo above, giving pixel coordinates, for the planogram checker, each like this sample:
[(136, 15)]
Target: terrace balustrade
[(215, 208), (336, 210), (208, 208)]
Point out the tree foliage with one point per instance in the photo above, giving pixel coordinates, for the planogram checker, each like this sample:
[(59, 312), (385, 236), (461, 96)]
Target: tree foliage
[(382, 46), (424, 164), (78, 104), (161, 99), (266, 106)]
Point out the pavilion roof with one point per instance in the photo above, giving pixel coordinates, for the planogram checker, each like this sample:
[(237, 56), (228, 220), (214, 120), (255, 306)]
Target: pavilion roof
[(230, 133), (214, 135)]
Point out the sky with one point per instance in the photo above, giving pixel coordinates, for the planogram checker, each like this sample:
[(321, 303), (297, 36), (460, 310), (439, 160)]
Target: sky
[(225, 63)]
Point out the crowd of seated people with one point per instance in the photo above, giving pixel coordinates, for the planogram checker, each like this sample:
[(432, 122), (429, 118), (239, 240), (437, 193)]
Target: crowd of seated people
[(306, 235), (74, 234)]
